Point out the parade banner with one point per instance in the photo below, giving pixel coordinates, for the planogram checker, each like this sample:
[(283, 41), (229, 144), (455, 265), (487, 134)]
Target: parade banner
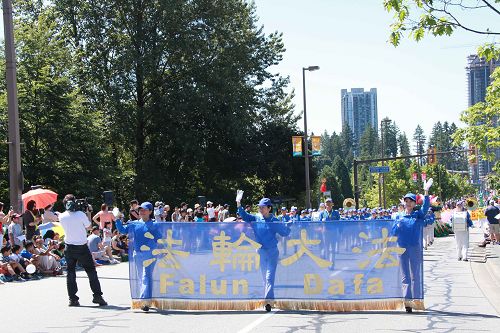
[(297, 146), (331, 266), (316, 145)]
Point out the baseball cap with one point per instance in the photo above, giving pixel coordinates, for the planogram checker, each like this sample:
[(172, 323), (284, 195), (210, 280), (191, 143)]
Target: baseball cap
[(410, 196), (265, 202), (146, 205), (328, 200), (283, 208)]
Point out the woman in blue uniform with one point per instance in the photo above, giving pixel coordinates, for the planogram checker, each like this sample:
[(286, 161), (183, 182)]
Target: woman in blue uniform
[(265, 227), (409, 231), (142, 230)]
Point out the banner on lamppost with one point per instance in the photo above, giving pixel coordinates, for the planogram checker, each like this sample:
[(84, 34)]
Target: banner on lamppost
[(297, 146), (316, 145)]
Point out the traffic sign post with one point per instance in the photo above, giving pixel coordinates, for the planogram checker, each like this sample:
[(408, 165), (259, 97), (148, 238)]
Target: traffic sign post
[(380, 169)]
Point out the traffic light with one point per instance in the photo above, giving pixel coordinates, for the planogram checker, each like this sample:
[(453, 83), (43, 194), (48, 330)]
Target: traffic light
[(431, 155), (473, 152)]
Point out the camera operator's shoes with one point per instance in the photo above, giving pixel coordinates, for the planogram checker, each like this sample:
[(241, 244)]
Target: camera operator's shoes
[(73, 302), (99, 300)]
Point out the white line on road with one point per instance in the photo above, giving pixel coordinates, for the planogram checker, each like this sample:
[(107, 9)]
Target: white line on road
[(256, 323)]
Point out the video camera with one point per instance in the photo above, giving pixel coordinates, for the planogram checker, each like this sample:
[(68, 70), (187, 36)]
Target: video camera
[(83, 205)]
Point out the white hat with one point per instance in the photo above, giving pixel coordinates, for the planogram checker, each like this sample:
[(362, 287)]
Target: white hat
[(210, 203)]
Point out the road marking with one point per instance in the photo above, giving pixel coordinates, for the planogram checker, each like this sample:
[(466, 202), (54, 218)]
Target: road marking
[(256, 323)]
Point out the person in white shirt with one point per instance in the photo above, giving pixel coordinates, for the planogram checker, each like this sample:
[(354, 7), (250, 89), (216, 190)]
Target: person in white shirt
[(75, 225), (211, 211)]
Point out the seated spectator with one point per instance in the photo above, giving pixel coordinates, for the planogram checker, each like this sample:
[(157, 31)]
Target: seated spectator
[(16, 256), (19, 271), (30, 254), (49, 236), (59, 252), (119, 246), (97, 248), (49, 263)]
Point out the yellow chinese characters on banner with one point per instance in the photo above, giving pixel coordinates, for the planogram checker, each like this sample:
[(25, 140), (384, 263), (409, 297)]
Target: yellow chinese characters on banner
[(297, 145), (316, 145)]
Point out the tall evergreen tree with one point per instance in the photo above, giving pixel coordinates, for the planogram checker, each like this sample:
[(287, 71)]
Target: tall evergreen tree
[(419, 142)]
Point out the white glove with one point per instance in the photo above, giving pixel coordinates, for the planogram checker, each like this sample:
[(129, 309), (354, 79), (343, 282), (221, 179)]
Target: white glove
[(428, 184), (116, 213), (239, 195)]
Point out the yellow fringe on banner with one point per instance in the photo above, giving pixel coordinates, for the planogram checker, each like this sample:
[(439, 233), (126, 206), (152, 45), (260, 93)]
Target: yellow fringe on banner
[(248, 305)]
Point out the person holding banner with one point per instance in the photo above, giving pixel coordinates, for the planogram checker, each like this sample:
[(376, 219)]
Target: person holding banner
[(461, 223), (145, 233), (409, 233), (329, 241), (265, 227)]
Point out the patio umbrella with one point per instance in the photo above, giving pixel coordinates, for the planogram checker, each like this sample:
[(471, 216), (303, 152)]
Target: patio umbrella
[(42, 197)]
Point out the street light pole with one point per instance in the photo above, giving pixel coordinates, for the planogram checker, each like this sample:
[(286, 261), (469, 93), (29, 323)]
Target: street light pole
[(306, 145), (15, 177)]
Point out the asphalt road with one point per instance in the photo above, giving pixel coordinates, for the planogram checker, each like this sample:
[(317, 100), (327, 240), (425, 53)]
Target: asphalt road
[(453, 299)]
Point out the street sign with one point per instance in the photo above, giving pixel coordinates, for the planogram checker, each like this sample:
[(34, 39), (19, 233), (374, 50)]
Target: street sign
[(380, 169)]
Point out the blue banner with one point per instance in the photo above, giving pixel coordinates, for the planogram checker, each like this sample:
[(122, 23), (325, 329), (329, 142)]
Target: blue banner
[(341, 261)]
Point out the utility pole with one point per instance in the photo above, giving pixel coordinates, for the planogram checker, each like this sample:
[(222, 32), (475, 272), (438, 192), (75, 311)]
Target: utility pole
[(15, 176)]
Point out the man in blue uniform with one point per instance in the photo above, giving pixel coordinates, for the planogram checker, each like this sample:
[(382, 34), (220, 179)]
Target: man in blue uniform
[(145, 234), (409, 232), (265, 227)]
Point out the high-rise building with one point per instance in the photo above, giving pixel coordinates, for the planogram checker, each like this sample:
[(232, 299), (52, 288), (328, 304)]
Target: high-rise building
[(359, 110), (478, 79)]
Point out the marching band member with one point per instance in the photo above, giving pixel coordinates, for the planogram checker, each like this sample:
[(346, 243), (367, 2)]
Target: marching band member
[(461, 223)]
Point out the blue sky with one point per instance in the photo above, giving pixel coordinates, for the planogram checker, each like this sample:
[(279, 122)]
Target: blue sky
[(418, 83)]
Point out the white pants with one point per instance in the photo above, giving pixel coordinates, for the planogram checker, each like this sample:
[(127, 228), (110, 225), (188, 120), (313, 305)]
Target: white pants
[(462, 239), (431, 230), (428, 235)]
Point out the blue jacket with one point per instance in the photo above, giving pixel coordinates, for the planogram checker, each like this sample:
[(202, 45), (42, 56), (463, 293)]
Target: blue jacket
[(265, 229), (409, 226), (139, 230), (332, 216), (429, 218)]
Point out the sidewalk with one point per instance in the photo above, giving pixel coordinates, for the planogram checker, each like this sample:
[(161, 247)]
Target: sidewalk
[(485, 264)]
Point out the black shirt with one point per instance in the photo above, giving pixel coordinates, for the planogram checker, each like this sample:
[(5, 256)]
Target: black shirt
[(490, 213), (27, 219)]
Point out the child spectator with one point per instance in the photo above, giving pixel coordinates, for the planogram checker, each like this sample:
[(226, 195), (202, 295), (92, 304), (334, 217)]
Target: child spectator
[(107, 235), (20, 273)]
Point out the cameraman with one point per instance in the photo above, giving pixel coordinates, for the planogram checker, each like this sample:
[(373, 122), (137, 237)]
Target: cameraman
[(75, 224)]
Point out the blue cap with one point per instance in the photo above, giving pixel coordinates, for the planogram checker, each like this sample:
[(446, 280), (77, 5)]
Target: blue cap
[(283, 208), (264, 202), (410, 196), (303, 211), (147, 205)]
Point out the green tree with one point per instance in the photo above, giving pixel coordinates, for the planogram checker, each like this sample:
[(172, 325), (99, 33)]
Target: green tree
[(415, 18), (186, 88), (482, 129), (59, 130), (342, 177), (419, 141)]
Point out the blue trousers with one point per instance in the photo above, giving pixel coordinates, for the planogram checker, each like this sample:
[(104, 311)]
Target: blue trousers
[(145, 274), (268, 264), (411, 267)]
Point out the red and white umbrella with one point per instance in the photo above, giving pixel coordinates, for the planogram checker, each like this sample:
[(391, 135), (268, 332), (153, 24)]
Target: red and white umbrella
[(42, 197)]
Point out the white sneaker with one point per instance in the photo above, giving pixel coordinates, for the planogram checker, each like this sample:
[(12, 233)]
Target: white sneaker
[(115, 261)]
